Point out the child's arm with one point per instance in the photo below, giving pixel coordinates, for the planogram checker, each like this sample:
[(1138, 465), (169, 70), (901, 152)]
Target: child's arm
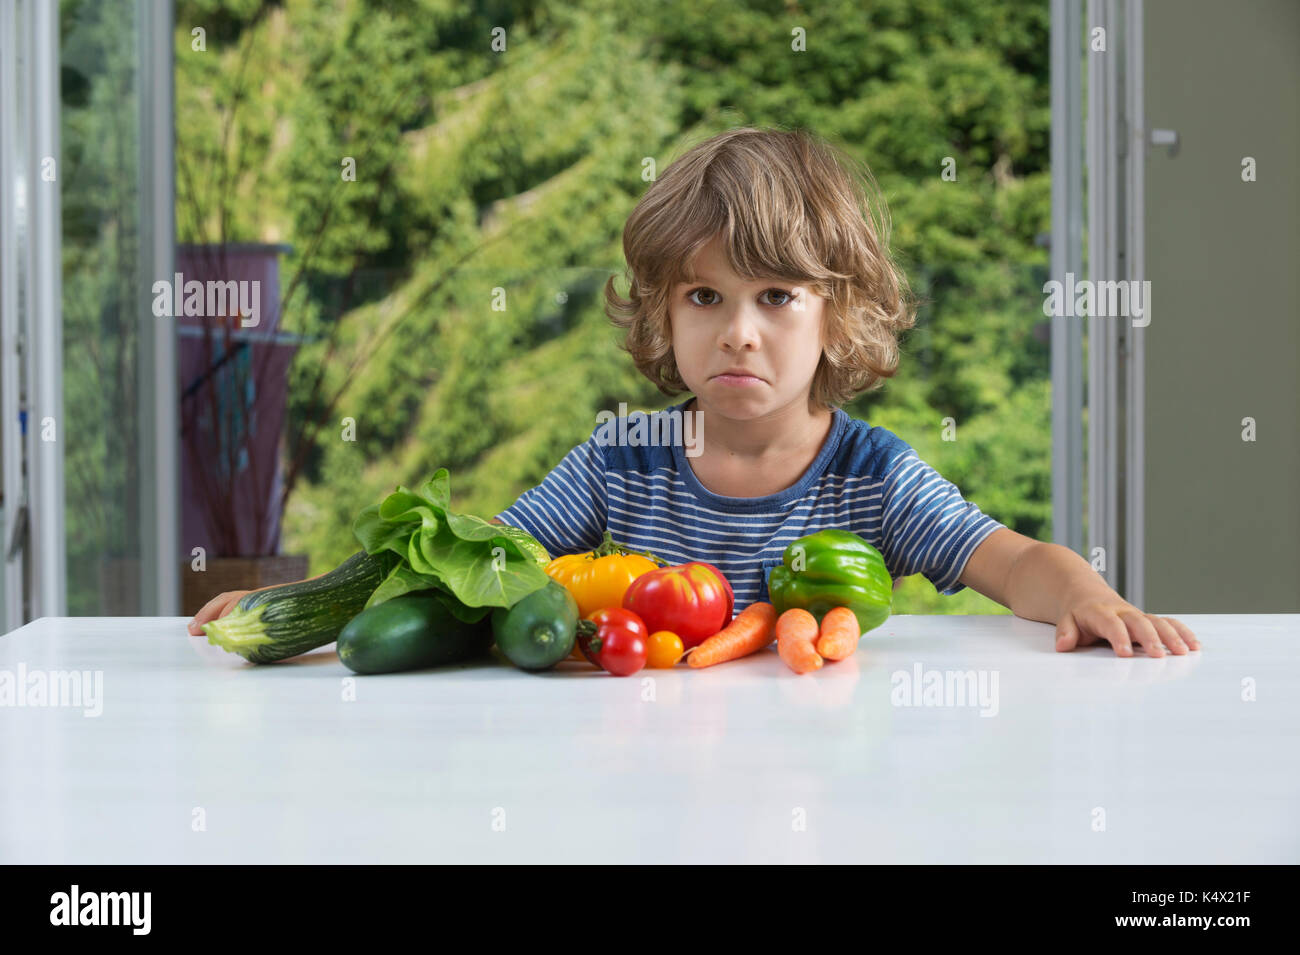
[(567, 512), (1053, 584)]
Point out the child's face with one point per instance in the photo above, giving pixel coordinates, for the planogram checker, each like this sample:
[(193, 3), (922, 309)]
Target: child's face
[(768, 327)]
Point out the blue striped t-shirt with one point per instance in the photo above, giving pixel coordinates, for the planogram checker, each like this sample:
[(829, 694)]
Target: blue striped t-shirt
[(865, 479)]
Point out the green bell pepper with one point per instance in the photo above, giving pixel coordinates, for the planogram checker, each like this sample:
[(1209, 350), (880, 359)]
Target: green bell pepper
[(833, 568)]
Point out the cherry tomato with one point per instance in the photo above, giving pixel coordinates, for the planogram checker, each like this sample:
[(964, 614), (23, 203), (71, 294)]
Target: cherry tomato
[(619, 643), (663, 650)]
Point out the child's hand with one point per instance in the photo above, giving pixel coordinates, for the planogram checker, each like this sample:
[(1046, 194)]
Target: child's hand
[(218, 606), (1093, 619)]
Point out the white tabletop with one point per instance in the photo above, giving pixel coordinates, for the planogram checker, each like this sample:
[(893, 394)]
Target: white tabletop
[(197, 756)]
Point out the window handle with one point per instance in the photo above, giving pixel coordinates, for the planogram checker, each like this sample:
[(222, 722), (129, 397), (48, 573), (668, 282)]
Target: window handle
[(1166, 137)]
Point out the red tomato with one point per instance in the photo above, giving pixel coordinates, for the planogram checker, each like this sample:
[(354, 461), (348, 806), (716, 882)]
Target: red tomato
[(692, 600), (619, 644), (731, 597)]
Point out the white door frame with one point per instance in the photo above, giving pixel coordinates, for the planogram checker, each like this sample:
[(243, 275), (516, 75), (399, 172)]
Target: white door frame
[(1116, 169), (13, 107), (159, 401), (43, 307), (1067, 259)]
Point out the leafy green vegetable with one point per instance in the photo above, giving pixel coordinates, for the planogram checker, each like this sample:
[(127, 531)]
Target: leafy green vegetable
[(480, 564)]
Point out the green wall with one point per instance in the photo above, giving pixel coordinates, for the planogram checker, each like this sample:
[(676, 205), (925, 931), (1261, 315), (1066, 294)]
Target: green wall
[(1223, 257)]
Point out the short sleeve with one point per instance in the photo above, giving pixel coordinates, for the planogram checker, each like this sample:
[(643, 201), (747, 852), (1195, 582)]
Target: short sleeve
[(927, 527), (567, 511)]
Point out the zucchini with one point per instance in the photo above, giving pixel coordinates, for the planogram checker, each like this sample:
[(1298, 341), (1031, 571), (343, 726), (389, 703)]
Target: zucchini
[(410, 632), (289, 619), (539, 630)]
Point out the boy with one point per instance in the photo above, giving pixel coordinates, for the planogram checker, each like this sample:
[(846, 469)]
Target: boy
[(761, 285)]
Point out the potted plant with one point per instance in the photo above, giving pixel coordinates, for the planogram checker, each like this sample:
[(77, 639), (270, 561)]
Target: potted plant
[(233, 368)]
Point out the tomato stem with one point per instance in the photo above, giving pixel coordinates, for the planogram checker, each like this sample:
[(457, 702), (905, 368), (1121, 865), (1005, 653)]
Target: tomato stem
[(610, 547)]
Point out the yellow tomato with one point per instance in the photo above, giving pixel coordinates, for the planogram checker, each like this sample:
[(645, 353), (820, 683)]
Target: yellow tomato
[(663, 649), (598, 582)]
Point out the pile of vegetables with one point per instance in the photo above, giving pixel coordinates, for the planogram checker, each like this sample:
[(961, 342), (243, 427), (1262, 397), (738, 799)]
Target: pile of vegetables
[(443, 574), (433, 587), (631, 612), (627, 612)]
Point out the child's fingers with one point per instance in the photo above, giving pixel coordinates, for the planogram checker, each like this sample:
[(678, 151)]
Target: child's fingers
[(1185, 632), (1105, 625), (1168, 634), (1067, 634), (1139, 627), (1124, 629)]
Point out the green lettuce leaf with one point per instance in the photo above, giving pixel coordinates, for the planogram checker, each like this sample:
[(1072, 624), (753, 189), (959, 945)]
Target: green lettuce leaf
[(485, 573), (437, 490), (404, 507), (376, 534), (476, 564), (415, 555), (400, 580)]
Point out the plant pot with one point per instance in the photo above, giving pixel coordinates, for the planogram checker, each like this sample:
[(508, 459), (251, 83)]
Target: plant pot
[(237, 573)]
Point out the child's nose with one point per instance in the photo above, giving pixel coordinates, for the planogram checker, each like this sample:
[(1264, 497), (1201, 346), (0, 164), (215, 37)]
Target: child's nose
[(740, 330)]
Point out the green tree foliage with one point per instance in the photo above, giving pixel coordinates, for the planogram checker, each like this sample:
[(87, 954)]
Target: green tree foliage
[(488, 177)]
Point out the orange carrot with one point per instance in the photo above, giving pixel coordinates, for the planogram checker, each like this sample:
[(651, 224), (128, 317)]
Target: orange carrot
[(750, 632), (796, 632), (839, 634)]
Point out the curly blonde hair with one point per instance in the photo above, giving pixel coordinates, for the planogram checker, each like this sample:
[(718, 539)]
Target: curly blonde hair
[(786, 204)]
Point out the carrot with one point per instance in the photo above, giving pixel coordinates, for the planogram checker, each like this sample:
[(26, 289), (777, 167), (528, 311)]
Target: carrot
[(796, 632), (839, 634), (750, 632)]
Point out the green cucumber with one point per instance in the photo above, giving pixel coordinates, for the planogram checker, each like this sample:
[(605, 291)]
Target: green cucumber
[(539, 630), (289, 619), (410, 632)]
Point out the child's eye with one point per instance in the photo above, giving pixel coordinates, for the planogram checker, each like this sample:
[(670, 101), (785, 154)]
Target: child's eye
[(690, 296)]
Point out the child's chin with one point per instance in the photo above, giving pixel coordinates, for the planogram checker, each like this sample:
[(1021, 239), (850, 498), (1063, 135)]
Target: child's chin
[(747, 402)]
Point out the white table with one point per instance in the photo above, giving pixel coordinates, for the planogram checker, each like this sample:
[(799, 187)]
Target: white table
[(200, 757)]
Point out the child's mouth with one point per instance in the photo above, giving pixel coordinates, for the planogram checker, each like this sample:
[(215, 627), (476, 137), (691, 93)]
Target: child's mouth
[(733, 378)]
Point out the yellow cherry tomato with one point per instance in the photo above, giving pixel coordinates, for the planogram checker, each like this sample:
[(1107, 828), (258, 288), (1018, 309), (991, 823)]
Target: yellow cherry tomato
[(663, 649)]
